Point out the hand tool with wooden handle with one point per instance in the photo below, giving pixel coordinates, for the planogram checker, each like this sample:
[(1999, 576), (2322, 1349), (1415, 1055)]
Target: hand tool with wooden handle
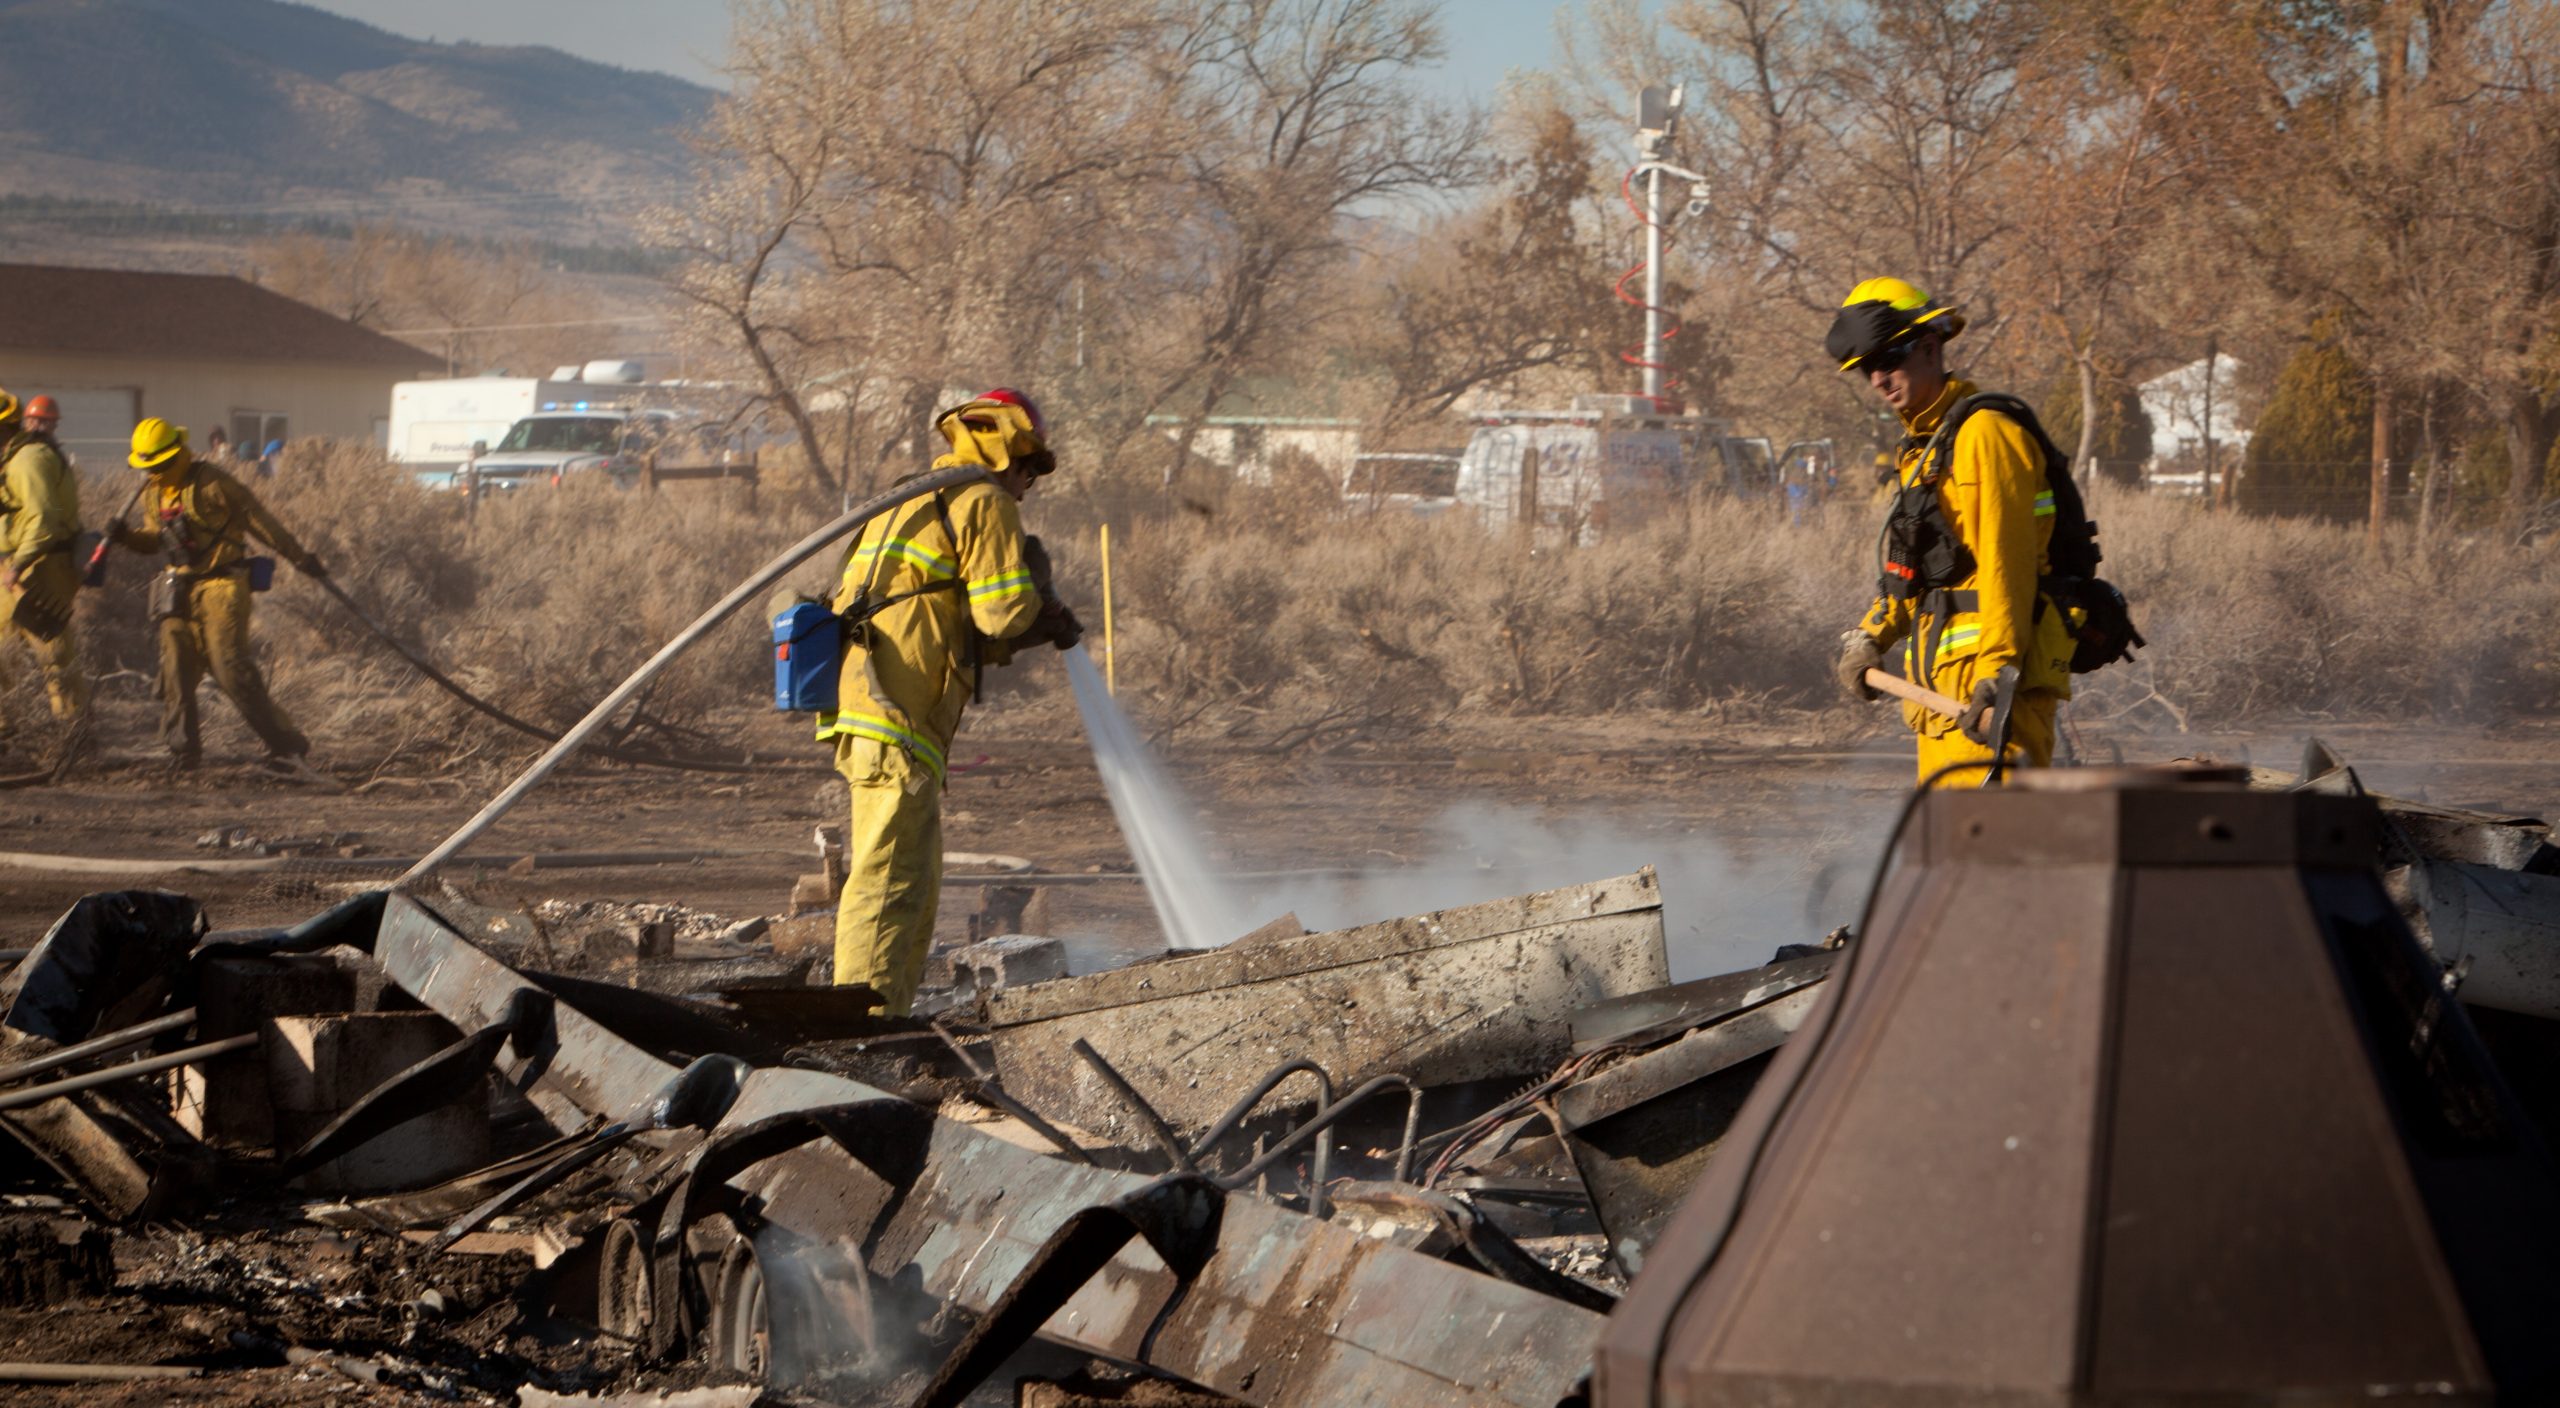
[(1996, 725)]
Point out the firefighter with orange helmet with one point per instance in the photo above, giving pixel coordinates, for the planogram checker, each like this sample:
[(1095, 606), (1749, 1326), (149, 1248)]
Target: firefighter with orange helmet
[(39, 521)]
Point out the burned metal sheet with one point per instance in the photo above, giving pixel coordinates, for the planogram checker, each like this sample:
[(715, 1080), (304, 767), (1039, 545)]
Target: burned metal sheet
[(1642, 1130), (1647, 1017), (1283, 1311), (2499, 928), (1461, 994)]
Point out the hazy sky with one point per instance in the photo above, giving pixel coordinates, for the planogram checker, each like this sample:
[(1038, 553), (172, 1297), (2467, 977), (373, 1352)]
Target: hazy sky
[(688, 37)]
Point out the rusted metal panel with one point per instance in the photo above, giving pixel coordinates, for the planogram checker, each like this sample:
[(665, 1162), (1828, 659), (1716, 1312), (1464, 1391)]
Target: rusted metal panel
[(1665, 1012), (1286, 1311), (2126, 1096), (1463, 994)]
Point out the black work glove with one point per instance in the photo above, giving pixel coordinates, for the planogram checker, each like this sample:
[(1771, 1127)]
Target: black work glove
[(1859, 653), (1059, 625), (1977, 721)]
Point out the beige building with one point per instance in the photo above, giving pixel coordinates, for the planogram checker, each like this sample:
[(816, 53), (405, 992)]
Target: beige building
[(203, 350)]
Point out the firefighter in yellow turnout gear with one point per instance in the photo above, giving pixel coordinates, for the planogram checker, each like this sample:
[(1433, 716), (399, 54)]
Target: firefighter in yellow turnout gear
[(1954, 629), (201, 519), (39, 521), (962, 593)]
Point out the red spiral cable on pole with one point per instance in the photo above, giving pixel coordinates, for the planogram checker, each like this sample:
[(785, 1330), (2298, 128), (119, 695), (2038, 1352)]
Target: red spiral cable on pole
[(1641, 355)]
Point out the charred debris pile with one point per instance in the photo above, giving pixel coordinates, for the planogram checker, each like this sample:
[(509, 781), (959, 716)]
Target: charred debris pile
[(1487, 1155)]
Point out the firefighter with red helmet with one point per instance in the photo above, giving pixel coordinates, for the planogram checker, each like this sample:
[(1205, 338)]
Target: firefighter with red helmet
[(932, 593)]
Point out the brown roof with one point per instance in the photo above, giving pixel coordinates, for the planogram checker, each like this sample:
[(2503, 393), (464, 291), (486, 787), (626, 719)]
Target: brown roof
[(50, 308)]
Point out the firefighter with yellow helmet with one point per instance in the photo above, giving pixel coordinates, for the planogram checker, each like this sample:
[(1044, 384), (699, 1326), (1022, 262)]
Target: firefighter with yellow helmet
[(39, 522), (932, 592), (200, 519), (1960, 591)]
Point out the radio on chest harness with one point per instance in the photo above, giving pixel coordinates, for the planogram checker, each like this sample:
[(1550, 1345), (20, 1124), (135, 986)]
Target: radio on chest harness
[(1921, 558)]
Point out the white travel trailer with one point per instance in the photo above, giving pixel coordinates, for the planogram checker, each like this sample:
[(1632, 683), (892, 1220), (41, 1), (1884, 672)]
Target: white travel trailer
[(1565, 474)]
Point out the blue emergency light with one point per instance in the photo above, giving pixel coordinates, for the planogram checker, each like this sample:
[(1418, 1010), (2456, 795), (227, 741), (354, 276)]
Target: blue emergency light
[(807, 646)]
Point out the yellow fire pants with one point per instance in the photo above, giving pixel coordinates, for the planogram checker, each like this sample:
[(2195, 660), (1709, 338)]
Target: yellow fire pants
[(2031, 729), (66, 686), (893, 870), (212, 636)]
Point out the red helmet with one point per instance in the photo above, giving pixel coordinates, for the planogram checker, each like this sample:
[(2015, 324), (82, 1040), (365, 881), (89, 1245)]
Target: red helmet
[(43, 408), (1010, 397)]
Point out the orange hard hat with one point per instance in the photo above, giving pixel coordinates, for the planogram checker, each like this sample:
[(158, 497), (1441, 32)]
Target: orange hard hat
[(43, 408)]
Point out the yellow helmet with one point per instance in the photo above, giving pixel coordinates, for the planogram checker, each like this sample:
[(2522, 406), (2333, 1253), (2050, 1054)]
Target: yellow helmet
[(8, 406), (155, 443), (1881, 313)]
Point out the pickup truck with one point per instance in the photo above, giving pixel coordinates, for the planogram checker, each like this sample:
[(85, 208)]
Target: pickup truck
[(549, 446)]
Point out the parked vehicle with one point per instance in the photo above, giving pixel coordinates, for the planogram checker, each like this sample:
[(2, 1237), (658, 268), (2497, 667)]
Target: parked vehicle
[(549, 446), (1566, 474), (1423, 485), (595, 410), (434, 424)]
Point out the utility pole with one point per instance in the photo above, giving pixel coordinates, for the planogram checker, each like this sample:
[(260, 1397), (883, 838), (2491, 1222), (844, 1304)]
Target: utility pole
[(1657, 118)]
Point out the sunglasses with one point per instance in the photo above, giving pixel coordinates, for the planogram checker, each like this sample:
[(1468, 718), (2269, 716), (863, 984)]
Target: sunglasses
[(1890, 359)]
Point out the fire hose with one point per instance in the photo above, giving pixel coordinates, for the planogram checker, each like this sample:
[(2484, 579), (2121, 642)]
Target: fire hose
[(449, 685), (719, 611)]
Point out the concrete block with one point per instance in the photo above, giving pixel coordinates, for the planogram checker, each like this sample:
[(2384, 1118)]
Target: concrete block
[(224, 1101), (804, 933), (318, 1066), (626, 944), (1009, 961), (813, 893), (1010, 909)]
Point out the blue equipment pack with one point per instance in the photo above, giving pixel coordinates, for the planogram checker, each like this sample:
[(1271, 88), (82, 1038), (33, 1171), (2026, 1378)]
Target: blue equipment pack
[(808, 647)]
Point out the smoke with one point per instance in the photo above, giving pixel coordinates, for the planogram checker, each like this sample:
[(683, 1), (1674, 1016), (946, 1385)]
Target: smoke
[(1724, 907), (1157, 819)]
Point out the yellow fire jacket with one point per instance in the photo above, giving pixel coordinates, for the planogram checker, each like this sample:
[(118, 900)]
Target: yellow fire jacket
[(39, 504), (1996, 498), (952, 565), (217, 515)]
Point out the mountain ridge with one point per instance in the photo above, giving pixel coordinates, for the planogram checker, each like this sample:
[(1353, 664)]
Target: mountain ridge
[(268, 104)]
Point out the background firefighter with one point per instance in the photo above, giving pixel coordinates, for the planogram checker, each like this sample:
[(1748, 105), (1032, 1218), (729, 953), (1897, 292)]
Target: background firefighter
[(1983, 513), (931, 594), (201, 519), (39, 521)]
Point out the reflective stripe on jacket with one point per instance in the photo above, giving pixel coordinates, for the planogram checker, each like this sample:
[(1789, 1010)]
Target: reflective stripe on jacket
[(909, 675), (1995, 497)]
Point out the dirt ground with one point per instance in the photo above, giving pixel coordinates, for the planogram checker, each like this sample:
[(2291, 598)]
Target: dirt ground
[(1763, 834)]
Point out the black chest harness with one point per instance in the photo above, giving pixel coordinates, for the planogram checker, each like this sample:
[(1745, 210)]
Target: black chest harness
[(1921, 556)]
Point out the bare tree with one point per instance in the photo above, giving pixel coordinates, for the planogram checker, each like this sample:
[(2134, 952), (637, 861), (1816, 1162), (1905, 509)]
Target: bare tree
[(2112, 155), (897, 197), (1512, 287), (1306, 119)]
